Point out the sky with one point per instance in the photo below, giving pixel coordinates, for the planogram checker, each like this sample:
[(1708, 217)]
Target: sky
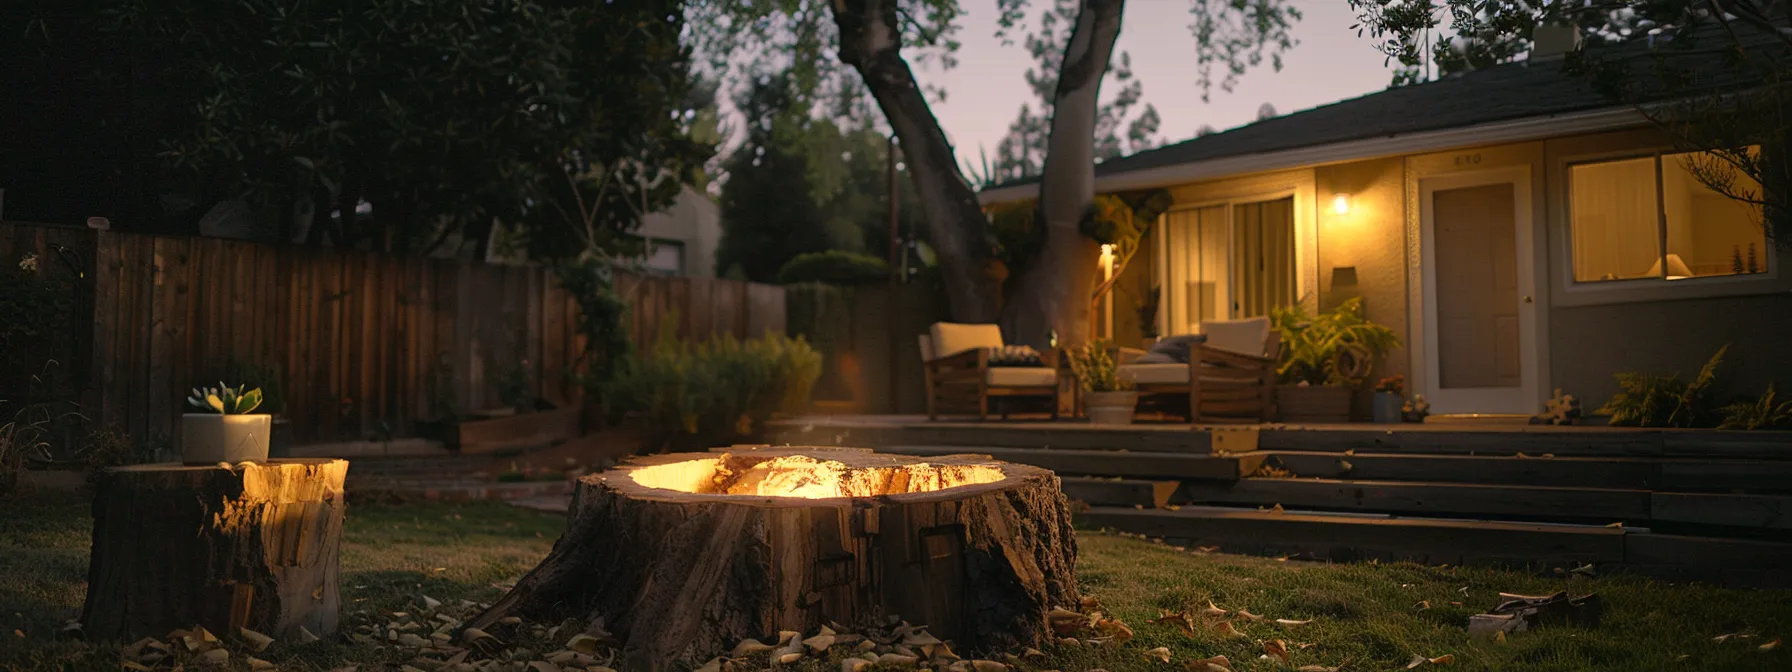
[(985, 90)]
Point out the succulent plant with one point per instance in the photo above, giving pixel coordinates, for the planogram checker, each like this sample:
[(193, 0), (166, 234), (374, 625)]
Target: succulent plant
[(225, 400)]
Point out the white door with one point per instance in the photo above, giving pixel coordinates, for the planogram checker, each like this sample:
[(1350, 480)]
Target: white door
[(1480, 350)]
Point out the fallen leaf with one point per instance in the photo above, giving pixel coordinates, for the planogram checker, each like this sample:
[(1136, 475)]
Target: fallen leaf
[(1249, 616), (258, 665), (583, 643), (257, 642), (1734, 635), (305, 636), (1213, 611), (215, 657), (543, 666), (1181, 619), (819, 643), (133, 666), (748, 647), (1277, 649), (1445, 659), (1220, 663), (1032, 653), (1207, 549), (1770, 645), (988, 666), (1276, 509), (1064, 621), (1315, 668), (1422, 605), (853, 664), (896, 659), (1226, 630), (1160, 654), (430, 602), (1291, 623)]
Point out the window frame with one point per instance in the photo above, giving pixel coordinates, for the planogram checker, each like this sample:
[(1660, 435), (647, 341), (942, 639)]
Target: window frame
[(1574, 292)]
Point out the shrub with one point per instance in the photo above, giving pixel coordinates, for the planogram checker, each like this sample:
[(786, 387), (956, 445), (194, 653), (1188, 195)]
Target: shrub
[(1337, 347), (1764, 412), (1650, 400), (23, 438), (700, 395), (834, 267)]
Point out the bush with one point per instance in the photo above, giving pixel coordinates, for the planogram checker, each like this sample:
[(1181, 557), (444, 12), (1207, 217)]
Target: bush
[(834, 267), (701, 395), (1651, 400)]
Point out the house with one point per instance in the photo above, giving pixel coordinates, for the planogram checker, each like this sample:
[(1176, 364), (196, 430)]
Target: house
[(1520, 230), (682, 239)]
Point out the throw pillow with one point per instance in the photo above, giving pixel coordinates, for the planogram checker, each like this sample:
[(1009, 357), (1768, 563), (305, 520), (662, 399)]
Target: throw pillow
[(1177, 347), (1015, 355)]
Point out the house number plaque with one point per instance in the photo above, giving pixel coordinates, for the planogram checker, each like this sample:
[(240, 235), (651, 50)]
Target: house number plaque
[(1468, 159)]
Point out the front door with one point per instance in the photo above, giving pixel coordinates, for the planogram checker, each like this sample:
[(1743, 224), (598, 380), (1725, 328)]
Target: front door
[(1480, 307)]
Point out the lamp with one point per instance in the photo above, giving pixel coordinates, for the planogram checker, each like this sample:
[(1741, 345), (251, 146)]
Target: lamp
[(1341, 204), (1677, 269)]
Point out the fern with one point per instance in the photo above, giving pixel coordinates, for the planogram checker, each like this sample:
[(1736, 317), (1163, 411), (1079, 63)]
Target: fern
[(1650, 400), (1762, 413)]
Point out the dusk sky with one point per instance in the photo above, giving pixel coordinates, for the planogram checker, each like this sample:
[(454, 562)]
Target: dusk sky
[(985, 90)]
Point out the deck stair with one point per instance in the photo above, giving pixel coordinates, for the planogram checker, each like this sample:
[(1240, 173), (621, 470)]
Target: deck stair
[(1679, 504)]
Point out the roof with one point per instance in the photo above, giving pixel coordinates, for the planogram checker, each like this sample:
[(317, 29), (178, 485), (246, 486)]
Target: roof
[(1512, 91)]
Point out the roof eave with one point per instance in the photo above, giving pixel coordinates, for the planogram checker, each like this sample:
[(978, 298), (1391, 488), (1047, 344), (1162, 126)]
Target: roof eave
[(1516, 130)]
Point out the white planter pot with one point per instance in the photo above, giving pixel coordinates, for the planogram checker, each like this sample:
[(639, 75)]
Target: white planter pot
[(210, 438), (1111, 408)]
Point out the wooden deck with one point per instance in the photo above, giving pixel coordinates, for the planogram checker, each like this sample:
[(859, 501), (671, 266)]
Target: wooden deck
[(1676, 503)]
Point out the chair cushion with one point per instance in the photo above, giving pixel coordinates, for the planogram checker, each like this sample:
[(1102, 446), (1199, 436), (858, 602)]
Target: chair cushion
[(1023, 376), (1245, 337), (1155, 374), (1177, 347), (1015, 355), (1154, 358), (950, 339)]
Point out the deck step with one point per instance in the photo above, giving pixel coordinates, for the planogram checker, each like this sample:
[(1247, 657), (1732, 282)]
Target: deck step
[(1669, 474), (1109, 463), (1534, 441), (1352, 537), (1075, 436), (1119, 491), (1347, 537), (1427, 498)]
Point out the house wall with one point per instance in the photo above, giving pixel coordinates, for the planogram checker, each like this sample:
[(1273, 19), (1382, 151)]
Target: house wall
[(692, 221), (1369, 240), (1584, 333)]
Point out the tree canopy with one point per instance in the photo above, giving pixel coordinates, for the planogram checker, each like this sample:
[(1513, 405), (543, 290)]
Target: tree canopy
[(561, 117)]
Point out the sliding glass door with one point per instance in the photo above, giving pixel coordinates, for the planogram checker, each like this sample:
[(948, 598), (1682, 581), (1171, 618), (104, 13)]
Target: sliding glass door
[(1227, 261)]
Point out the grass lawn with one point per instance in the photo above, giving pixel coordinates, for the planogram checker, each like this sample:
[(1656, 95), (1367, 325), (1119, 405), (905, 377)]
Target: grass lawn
[(1364, 617)]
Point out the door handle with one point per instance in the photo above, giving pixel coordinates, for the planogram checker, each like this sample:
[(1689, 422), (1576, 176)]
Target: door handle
[(1527, 299)]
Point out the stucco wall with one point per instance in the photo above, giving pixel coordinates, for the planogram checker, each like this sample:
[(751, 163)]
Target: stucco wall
[(693, 220), (1371, 237)]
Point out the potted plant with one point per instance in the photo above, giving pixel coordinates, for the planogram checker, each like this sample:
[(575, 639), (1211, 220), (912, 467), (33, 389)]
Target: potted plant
[(1108, 398), (1390, 396), (224, 427), (1324, 357)]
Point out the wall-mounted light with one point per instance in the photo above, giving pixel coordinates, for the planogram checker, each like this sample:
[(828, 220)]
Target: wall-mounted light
[(1341, 204), (1107, 258)]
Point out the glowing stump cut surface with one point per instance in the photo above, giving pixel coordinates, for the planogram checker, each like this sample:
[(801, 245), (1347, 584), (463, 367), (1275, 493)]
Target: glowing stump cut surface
[(682, 556)]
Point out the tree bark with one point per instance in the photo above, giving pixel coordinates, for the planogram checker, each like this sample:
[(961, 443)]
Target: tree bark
[(871, 42), (1056, 292), (683, 556), (226, 548)]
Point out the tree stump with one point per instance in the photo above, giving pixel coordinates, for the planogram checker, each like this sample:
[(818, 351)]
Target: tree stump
[(250, 545), (682, 556)]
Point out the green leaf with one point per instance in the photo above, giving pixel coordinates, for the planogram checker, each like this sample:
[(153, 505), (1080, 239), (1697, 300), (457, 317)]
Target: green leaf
[(216, 403)]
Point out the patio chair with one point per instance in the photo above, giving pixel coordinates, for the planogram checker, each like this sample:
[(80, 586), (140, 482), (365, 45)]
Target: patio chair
[(965, 369), (1229, 375)]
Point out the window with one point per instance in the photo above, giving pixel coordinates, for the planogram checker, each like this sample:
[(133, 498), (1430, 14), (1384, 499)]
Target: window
[(1651, 218), (664, 257)]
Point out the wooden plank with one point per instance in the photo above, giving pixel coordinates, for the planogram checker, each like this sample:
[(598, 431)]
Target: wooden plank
[(526, 430), (327, 348), (104, 323), (141, 287), (556, 361), (1714, 443), (1497, 501), (1772, 512), (1669, 549), (1591, 472), (1562, 442), (1727, 475), (1347, 538), (301, 311), (1098, 462), (1119, 491), (169, 369), (1149, 438)]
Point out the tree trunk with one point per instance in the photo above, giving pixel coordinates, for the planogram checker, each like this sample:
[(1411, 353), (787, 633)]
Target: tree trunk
[(1056, 292), (177, 546), (683, 556), (871, 42)]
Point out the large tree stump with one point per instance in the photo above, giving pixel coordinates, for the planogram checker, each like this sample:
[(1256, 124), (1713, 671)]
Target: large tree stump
[(254, 545), (682, 556)]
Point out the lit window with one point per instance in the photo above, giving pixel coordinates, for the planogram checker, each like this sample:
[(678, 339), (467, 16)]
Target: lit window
[(1623, 213)]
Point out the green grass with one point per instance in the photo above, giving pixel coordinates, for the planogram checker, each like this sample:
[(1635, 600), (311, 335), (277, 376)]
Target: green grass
[(1364, 616)]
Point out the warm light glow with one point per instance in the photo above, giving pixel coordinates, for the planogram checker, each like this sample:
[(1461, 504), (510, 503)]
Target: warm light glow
[(1107, 260), (808, 478), (1341, 204)]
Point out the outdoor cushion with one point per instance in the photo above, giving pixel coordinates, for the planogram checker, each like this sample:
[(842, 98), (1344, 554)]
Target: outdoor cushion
[(950, 339), (1153, 358), (1155, 374), (1245, 337), (1177, 347), (1023, 376)]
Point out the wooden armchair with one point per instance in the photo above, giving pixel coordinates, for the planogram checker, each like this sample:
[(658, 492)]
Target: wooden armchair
[(1229, 378), (963, 381)]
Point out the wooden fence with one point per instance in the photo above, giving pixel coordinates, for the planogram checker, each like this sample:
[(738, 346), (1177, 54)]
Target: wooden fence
[(867, 337), (366, 344)]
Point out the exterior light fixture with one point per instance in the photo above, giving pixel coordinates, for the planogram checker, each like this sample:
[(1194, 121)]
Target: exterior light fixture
[(1341, 204)]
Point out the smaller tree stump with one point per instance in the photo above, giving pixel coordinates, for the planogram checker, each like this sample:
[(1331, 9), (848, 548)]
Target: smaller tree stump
[(250, 545)]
